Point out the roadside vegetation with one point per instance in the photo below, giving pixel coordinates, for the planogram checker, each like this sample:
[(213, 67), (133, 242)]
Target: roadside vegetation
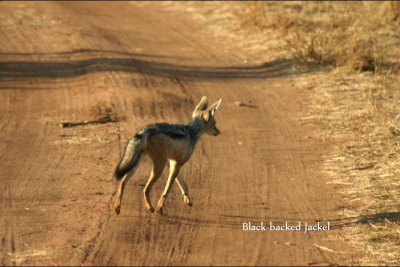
[(350, 51)]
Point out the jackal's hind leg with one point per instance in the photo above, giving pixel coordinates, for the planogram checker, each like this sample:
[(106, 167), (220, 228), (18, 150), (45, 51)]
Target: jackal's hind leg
[(121, 187), (185, 192), (173, 172), (155, 174)]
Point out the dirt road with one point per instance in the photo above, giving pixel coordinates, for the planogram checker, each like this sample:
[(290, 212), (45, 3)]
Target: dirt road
[(139, 64)]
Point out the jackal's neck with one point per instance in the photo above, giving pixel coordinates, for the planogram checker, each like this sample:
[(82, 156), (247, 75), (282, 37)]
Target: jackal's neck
[(196, 129)]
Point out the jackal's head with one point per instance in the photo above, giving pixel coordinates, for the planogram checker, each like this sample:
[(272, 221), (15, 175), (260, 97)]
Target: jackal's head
[(207, 115)]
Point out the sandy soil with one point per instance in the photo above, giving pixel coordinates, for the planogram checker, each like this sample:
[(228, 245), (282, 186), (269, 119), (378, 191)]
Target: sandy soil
[(139, 63)]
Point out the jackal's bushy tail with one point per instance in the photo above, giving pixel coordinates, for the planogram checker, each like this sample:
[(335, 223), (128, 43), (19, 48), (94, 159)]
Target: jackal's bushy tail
[(132, 154)]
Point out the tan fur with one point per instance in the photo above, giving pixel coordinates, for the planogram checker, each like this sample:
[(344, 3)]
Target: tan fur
[(162, 148)]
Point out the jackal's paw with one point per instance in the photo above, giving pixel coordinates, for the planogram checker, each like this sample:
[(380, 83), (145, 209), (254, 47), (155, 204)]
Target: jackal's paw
[(150, 209), (187, 201), (159, 211), (117, 209)]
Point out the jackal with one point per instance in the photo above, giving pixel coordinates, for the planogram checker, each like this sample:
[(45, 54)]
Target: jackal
[(163, 142)]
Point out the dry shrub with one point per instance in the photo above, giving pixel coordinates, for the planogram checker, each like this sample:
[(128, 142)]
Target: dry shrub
[(253, 15), (311, 48), (332, 50), (395, 10), (340, 34), (336, 45), (359, 55), (256, 16)]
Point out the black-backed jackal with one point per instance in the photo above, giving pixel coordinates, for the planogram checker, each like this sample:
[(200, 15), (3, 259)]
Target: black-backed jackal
[(163, 142)]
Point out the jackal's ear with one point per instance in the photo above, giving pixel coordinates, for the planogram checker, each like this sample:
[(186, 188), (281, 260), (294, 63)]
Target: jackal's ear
[(209, 112), (201, 106)]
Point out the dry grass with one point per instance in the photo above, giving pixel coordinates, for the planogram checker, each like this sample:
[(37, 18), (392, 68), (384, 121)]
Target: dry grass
[(361, 110), (354, 100)]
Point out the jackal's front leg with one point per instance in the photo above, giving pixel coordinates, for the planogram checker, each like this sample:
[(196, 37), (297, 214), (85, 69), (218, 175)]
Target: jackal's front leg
[(173, 172), (185, 192)]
